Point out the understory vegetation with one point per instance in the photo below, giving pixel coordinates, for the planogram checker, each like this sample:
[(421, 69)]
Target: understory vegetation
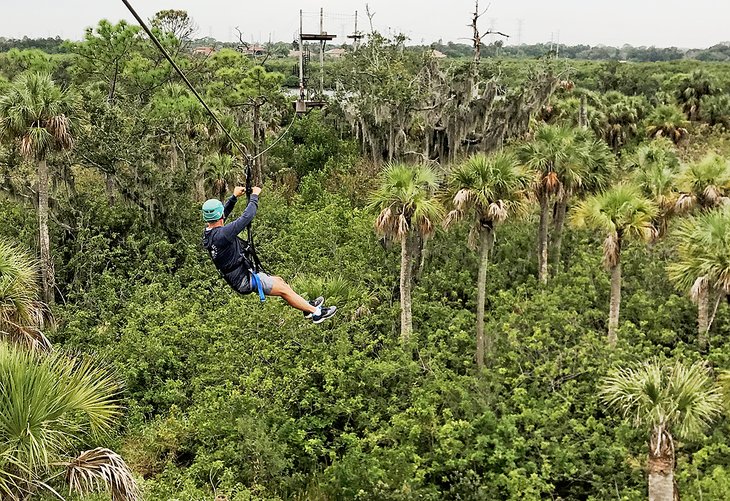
[(530, 260)]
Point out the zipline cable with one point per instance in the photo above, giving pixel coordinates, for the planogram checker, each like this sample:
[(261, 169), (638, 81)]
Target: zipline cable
[(162, 49), (154, 39), (281, 136), (251, 246)]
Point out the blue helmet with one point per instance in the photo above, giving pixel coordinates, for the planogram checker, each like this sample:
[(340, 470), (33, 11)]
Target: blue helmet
[(212, 210)]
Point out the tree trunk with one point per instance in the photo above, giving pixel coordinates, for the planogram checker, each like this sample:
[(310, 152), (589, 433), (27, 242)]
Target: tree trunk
[(113, 83), (44, 238), (613, 314), (561, 210), (406, 318), (377, 155), (424, 257), (542, 252), (173, 155), (703, 314), (391, 143), (661, 483), (485, 247), (713, 314), (477, 40), (419, 256), (583, 113), (661, 469), (109, 186)]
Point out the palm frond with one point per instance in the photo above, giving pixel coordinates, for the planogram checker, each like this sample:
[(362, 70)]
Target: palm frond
[(707, 181), (622, 208), (406, 200), (22, 314), (667, 121), (698, 289), (703, 249), (100, 469), (48, 401), (491, 187), (683, 400), (337, 289), (611, 250), (38, 115)]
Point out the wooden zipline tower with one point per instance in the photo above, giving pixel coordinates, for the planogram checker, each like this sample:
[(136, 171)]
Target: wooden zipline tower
[(304, 104), (356, 36)]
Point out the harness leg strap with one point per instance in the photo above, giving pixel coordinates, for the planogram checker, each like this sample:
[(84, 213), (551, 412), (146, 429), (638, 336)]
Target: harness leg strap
[(259, 286)]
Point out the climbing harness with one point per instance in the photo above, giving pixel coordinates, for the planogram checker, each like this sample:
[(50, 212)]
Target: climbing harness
[(250, 246), (259, 286)]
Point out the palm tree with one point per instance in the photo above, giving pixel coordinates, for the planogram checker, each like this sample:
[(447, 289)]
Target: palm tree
[(690, 91), (618, 122), (22, 315), (667, 121), (667, 402), (716, 110), (580, 109), (407, 206), (181, 120), (705, 184), (655, 170), (487, 190), (37, 115), (49, 404), (622, 213), (558, 169), (703, 264), (598, 164), (219, 174), (658, 152)]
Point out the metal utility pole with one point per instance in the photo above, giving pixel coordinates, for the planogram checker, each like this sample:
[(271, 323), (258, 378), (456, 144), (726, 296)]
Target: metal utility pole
[(356, 39), (356, 36), (301, 59), (552, 40), (321, 52)]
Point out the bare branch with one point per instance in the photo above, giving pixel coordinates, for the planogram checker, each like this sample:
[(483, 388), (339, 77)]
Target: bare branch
[(240, 38), (370, 15)]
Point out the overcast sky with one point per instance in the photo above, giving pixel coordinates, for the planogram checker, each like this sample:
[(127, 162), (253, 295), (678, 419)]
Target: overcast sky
[(664, 23)]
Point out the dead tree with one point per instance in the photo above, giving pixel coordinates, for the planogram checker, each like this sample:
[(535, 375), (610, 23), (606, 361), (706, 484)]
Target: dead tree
[(477, 44)]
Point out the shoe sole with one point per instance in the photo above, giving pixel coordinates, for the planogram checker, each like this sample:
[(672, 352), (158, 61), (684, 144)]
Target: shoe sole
[(309, 315), (322, 319)]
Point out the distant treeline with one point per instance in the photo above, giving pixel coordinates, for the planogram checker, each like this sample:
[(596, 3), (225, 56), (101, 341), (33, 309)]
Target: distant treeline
[(719, 52), (50, 45)]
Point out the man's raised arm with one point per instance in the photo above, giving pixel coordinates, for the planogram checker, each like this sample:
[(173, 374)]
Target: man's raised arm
[(231, 230)]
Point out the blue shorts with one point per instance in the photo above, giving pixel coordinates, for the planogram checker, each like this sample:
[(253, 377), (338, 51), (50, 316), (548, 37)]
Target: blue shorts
[(247, 285)]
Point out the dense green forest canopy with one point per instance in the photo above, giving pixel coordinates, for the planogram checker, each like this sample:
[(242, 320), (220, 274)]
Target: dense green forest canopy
[(529, 255)]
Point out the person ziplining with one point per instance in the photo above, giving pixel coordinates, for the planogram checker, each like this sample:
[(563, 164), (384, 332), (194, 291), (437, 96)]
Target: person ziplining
[(235, 259), (232, 256)]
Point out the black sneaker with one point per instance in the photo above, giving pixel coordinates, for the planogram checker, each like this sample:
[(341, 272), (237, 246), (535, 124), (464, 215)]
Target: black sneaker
[(316, 303), (325, 313)]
